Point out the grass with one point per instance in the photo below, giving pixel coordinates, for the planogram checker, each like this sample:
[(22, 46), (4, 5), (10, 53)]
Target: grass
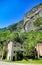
[(29, 61)]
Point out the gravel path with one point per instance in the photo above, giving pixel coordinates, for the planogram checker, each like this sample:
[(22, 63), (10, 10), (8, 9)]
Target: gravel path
[(7, 63)]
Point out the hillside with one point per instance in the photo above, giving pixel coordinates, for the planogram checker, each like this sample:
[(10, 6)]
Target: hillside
[(14, 27)]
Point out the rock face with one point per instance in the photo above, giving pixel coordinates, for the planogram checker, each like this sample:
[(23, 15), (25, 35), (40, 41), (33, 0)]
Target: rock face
[(33, 19)]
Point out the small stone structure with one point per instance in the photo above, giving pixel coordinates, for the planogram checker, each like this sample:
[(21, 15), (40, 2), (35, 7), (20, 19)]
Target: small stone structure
[(38, 50), (14, 48)]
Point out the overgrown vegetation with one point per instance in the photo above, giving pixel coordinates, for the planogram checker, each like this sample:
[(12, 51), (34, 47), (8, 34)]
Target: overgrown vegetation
[(29, 39), (38, 22), (17, 27), (29, 61)]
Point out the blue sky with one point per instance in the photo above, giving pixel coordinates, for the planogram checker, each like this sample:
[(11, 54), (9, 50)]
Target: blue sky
[(12, 11)]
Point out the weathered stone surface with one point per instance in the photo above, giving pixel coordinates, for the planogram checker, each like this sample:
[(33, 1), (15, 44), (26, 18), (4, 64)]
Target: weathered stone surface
[(30, 18)]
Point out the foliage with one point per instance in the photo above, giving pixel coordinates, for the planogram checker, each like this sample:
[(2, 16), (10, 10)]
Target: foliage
[(29, 39), (29, 61), (16, 27), (38, 21)]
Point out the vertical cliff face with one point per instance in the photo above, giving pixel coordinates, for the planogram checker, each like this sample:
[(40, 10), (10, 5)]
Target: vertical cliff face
[(33, 19)]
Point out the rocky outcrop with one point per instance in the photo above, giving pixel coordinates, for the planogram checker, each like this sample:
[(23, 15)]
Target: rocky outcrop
[(31, 17)]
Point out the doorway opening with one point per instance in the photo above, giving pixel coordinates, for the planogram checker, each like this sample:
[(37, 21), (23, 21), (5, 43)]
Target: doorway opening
[(13, 58)]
